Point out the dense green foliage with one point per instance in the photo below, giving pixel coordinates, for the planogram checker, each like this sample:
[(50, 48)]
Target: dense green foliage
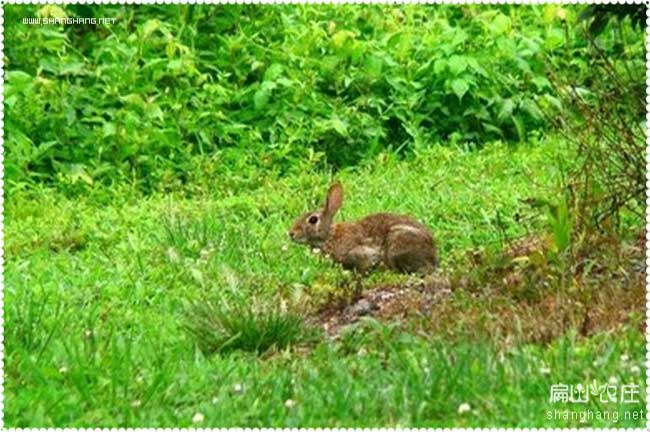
[(168, 94)]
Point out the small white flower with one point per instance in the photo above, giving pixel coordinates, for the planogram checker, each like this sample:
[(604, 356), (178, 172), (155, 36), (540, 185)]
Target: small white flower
[(238, 388), (289, 403), (625, 358), (198, 418), (215, 400), (63, 369), (136, 403), (362, 351), (635, 370), (284, 248), (613, 380), (463, 408), (545, 370), (315, 251), (88, 333)]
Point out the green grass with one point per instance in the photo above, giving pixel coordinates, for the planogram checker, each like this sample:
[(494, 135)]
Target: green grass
[(99, 296)]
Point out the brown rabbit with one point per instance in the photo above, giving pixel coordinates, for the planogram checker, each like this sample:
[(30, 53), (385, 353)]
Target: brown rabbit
[(398, 242)]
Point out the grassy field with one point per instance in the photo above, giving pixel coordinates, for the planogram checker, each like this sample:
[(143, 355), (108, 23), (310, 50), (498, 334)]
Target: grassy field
[(109, 297), (156, 160)]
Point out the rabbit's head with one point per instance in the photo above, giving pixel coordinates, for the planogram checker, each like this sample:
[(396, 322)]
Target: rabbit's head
[(313, 227)]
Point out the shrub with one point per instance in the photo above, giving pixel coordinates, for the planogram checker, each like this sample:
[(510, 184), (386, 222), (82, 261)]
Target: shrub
[(288, 87), (604, 117)]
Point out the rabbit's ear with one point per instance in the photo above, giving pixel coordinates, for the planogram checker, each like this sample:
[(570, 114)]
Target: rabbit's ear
[(334, 199)]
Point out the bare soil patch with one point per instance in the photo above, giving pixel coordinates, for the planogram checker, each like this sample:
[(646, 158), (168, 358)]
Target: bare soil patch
[(516, 296)]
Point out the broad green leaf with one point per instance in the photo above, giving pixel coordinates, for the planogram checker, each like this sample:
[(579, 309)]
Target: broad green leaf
[(373, 65), (476, 67), (459, 86), (273, 72), (341, 37), (500, 24), (17, 81), (553, 101), (457, 64), (530, 107), (492, 128), (339, 126), (154, 111), (108, 129), (261, 99), (505, 112), (439, 66), (73, 68), (541, 82)]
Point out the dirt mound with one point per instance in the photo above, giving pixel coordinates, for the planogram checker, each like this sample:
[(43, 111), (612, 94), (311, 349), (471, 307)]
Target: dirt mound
[(518, 295), (386, 303)]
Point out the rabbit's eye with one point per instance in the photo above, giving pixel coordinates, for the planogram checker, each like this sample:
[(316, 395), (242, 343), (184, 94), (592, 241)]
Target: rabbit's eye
[(312, 219)]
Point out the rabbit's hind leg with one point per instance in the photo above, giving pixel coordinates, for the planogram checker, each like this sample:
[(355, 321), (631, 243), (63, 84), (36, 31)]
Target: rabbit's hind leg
[(362, 258), (410, 251), (410, 262)]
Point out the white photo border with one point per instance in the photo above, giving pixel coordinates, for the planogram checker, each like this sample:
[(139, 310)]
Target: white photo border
[(135, 2)]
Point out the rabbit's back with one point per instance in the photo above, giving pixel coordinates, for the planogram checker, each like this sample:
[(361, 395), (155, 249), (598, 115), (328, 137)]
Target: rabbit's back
[(397, 241), (381, 224)]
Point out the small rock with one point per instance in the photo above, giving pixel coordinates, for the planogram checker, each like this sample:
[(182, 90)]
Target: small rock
[(362, 307)]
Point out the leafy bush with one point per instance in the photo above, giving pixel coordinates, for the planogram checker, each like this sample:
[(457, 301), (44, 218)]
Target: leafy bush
[(604, 117), (167, 88)]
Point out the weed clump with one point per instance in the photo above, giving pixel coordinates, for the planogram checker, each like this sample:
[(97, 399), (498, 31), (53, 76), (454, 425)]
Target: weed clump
[(226, 325)]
